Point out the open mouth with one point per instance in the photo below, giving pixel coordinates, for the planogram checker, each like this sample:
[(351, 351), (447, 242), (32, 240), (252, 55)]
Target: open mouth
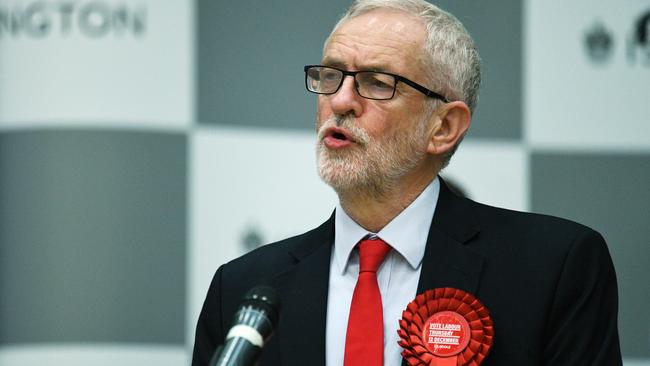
[(336, 138), (339, 136)]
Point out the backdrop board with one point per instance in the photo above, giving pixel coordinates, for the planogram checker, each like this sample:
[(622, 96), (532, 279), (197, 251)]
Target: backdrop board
[(143, 143), (96, 101)]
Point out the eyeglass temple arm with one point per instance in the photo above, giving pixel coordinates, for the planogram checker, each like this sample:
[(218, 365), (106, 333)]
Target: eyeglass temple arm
[(421, 89)]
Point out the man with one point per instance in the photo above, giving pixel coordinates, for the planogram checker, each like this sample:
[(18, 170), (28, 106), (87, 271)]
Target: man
[(396, 88)]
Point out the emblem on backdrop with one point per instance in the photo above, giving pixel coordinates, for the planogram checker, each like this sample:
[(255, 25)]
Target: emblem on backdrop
[(251, 238), (600, 41), (638, 47)]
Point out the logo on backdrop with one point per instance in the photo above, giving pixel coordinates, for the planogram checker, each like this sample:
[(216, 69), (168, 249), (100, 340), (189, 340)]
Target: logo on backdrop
[(251, 238), (600, 42), (92, 19), (639, 44)]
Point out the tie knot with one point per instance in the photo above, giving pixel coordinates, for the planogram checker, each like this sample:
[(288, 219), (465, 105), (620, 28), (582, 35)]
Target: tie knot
[(371, 254)]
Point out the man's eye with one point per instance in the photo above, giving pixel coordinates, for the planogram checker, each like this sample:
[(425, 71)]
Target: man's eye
[(329, 76), (379, 82)]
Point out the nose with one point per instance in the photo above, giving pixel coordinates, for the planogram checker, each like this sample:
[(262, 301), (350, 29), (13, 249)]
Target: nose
[(346, 100)]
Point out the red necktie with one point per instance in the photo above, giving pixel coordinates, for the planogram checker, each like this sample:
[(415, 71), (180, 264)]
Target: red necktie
[(364, 343)]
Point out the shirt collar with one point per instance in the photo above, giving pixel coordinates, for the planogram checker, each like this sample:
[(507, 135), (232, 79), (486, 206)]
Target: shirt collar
[(406, 233)]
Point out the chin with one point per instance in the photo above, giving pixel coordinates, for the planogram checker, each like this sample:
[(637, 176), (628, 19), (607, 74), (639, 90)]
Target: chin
[(340, 173), (348, 178)]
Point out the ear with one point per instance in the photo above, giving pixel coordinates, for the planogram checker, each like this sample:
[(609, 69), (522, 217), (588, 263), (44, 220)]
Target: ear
[(450, 122)]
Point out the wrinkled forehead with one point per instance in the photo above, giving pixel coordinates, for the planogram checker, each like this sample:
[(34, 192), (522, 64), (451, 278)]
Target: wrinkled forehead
[(382, 34)]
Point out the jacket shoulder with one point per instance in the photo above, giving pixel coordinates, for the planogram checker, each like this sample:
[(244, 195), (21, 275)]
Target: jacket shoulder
[(528, 224)]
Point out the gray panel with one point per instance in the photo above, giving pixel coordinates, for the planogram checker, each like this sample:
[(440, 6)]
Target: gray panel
[(92, 237), (496, 26), (609, 193), (239, 41)]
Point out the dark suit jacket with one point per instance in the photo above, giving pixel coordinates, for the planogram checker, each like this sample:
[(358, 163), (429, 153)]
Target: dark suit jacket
[(548, 283)]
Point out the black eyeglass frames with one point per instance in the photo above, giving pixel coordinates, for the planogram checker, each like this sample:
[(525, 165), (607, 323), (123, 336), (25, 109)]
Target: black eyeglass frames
[(375, 85)]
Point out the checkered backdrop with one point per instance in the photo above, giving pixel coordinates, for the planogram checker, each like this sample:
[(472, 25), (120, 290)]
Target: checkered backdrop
[(144, 142)]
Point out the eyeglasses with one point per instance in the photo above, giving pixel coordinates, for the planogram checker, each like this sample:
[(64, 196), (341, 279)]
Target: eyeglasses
[(369, 84)]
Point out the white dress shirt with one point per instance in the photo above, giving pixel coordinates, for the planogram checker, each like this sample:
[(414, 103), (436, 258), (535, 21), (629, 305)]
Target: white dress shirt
[(397, 276)]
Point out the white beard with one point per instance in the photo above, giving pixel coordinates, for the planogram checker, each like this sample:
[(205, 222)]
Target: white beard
[(375, 165)]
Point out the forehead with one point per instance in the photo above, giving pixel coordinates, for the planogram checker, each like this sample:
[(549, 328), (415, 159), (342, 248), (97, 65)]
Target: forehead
[(386, 39)]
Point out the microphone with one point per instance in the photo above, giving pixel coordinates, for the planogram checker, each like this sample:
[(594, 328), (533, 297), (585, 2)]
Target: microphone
[(252, 326)]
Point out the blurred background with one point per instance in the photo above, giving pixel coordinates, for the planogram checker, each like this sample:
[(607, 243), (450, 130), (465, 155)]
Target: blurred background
[(145, 142)]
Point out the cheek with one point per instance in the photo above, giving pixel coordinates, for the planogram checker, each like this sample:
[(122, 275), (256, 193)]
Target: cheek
[(323, 106), (389, 125), (380, 123)]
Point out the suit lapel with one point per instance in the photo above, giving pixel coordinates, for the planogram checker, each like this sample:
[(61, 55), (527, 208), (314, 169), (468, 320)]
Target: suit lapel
[(303, 290), (447, 261)]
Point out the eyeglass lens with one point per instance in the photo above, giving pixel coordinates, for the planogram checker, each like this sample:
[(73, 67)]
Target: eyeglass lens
[(375, 85)]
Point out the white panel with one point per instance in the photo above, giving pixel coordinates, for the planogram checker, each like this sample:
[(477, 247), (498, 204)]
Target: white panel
[(636, 362), (492, 172), (572, 101), (93, 355), (242, 180), (88, 68)]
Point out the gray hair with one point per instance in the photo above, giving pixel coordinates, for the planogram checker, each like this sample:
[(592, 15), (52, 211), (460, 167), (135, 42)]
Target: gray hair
[(451, 59)]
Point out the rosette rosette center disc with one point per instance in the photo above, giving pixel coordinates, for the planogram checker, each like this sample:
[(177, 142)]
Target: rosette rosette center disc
[(445, 326)]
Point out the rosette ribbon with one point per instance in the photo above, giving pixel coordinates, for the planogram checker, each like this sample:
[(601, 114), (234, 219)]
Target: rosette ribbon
[(445, 327)]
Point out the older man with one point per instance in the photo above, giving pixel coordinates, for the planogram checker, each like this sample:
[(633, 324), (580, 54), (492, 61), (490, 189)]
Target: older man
[(396, 89)]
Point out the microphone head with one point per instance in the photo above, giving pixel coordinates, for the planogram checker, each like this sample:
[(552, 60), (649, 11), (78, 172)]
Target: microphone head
[(265, 298)]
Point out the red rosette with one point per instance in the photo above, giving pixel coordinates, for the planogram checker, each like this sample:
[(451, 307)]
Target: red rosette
[(445, 327)]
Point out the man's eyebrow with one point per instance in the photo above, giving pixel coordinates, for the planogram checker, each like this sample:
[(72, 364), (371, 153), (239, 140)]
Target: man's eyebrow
[(328, 61), (377, 67)]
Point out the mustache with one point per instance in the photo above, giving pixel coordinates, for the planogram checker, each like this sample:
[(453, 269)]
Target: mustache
[(358, 134)]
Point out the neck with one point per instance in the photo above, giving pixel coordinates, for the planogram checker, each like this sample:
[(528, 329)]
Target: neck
[(373, 209)]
